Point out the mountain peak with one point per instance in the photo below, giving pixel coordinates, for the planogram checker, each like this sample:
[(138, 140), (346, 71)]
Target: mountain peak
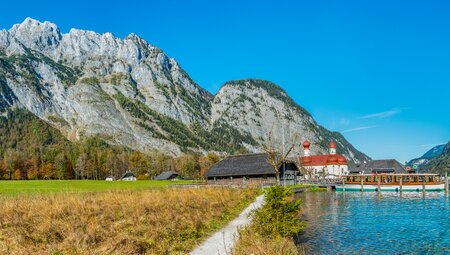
[(272, 89), (33, 22), (30, 24), (37, 35)]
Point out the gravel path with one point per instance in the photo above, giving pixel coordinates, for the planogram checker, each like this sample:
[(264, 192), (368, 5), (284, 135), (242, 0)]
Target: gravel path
[(221, 242)]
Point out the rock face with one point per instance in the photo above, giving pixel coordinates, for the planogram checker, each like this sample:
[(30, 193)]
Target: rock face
[(130, 93), (264, 110)]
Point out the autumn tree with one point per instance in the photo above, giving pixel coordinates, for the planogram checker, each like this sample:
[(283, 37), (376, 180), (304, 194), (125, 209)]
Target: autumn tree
[(160, 162), (207, 161), (188, 165), (31, 168), (276, 154), (80, 166), (113, 165), (47, 171), (2, 169), (13, 161), (17, 174)]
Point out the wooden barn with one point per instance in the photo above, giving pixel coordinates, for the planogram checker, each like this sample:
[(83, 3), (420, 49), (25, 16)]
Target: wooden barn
[(250, 169), (128, 176), (168, 175)]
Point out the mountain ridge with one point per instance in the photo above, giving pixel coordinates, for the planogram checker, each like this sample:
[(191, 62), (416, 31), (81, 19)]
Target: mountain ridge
[(426, 157), (131, 93), (439, 162)]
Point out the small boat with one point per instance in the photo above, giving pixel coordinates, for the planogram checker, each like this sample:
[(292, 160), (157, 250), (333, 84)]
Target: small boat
[(391, 182)]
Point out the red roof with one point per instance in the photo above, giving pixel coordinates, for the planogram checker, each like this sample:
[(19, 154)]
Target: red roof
[(323, 160)]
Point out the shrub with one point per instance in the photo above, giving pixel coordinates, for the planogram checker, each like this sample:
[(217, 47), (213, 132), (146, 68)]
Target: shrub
[(280, 216), (142, 177), (273, 226)]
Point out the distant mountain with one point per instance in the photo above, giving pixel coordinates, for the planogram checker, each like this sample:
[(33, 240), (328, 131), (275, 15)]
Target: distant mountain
[(130, 93), (440, 163), (432, 153)]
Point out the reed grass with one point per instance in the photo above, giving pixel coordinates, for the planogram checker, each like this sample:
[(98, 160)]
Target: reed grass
[(251, 243), (163, 221)]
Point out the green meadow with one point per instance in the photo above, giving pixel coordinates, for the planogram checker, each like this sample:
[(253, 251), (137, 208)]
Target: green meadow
[(75, 186)]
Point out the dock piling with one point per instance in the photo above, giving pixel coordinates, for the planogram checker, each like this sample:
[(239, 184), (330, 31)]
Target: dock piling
[(343, 184), (446, 183), (362, 183), (379, 185), (401, 185), (423, 187)]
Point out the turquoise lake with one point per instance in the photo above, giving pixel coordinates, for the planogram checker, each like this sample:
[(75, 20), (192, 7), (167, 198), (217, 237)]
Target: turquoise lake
[(366, 223)]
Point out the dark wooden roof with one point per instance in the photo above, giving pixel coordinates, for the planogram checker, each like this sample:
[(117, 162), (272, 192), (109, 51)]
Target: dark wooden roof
[(128, 174), (168, 175), (378, 166), (249, 164), (244, 165)]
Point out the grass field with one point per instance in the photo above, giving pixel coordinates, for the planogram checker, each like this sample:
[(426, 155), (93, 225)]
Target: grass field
[(69, 186)]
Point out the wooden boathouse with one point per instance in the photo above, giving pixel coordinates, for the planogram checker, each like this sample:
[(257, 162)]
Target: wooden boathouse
[(250, 169)]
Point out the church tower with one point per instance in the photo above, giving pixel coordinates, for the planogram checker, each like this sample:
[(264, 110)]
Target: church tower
[(332, 148), (306, 145)]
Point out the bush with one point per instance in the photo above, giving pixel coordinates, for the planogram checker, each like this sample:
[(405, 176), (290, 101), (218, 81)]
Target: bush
[(142, 177), (273, 226), (280, 216)]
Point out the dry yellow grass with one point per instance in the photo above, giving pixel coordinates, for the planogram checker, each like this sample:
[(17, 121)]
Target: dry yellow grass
[(250, 243), (164, 221)]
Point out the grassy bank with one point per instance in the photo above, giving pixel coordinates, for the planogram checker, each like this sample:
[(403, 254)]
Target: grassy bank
[(307, 187), (273, 227), (152, 221), (65, 186)]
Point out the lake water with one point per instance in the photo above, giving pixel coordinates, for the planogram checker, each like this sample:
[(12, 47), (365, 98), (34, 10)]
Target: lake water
[(365, 223)]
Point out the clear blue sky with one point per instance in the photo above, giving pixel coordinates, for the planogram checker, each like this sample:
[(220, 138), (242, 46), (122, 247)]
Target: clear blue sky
[(379, 71)]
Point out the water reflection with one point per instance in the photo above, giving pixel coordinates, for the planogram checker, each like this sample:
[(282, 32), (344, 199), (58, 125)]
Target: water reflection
[(371, 223)]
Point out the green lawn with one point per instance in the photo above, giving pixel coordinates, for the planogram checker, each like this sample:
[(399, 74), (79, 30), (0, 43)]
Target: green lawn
[(56, 186)]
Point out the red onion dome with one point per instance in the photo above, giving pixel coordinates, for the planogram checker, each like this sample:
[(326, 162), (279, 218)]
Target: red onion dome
[(332, 159), (306, 144), (332, 145), (342, 159)]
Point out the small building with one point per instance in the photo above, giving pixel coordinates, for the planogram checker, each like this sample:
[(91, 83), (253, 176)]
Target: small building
[(110, 178), (378, 167), (250, 169), (328, 166), (168, 175), (128, 176)]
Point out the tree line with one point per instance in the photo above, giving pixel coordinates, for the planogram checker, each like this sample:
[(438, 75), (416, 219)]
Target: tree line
[(31, 149)]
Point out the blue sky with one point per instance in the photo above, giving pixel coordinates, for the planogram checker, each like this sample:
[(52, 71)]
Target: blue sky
[(378, 71)]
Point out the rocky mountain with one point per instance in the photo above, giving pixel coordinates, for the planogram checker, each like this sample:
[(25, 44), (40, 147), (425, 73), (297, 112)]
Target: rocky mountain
[(432, 153), (259, 108), (128, 92), (439, 163)]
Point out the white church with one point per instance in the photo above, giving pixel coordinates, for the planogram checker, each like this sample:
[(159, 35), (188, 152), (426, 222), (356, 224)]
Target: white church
[(329, 166)]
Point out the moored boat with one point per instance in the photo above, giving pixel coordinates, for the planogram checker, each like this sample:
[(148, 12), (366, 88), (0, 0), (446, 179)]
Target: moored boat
[(391, 182)]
